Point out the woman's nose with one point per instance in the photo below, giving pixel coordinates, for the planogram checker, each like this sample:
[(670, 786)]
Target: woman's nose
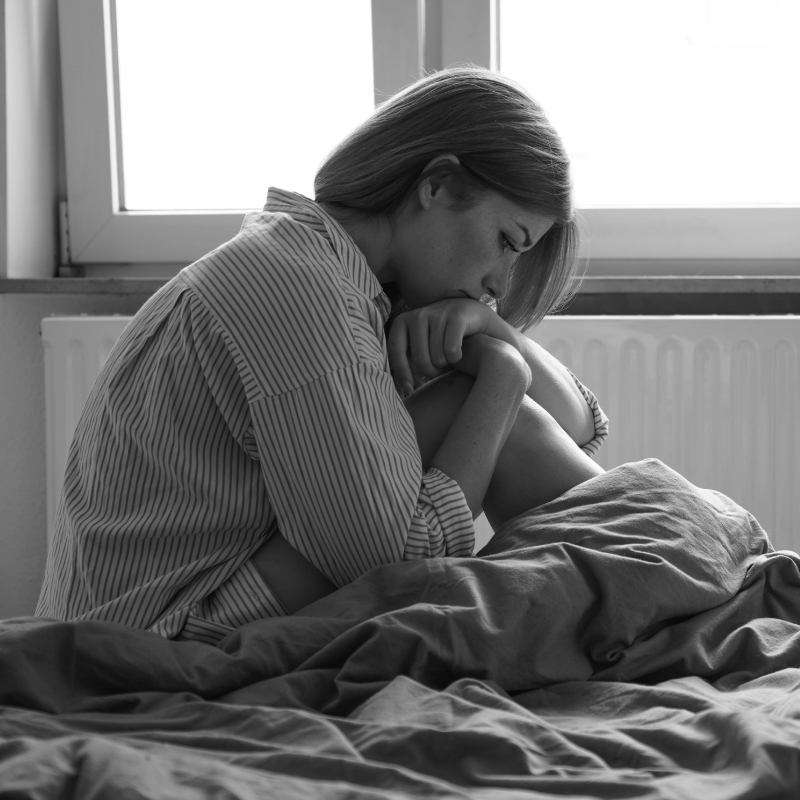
[(496, 283)]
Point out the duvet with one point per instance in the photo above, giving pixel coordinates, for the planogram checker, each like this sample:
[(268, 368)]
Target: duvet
[(638, 637)]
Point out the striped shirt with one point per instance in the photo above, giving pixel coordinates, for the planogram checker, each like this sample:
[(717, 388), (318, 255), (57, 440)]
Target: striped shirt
[(251, 394)]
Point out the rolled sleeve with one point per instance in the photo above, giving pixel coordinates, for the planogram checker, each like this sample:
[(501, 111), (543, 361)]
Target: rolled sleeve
[(598, 415), (442, 523)]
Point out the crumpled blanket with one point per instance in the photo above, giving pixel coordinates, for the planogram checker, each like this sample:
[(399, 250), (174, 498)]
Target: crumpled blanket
[(636, 637)]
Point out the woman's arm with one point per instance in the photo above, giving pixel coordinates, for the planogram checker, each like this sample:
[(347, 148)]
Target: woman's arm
[(479, 431), (552, 387), (432, 337)]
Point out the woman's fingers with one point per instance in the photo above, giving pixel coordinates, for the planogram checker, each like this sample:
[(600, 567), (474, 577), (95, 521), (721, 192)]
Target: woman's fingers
[(419, 343), (437, 328), (453, 340), (397, 347), (429, 339)]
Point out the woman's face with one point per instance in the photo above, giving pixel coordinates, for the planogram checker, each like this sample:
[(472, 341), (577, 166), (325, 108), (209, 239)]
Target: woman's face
[(441, 252)]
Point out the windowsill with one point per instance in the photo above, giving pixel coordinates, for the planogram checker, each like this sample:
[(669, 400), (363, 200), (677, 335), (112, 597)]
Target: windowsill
[(116, 286), (678, 284), (618, 295), (681, 284), (687, 295)]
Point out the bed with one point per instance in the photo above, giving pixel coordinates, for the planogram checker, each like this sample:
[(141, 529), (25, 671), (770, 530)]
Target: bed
[(638, 637)]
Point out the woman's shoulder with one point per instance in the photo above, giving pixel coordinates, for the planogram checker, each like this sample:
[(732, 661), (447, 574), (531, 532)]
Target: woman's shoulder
[(286, 235), (277, 292), (272, 255)]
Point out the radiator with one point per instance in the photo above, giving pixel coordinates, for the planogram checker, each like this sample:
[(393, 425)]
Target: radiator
[(715, 398)]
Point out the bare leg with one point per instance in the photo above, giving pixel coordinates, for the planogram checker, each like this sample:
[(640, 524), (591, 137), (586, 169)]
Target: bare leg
[(538, 463)]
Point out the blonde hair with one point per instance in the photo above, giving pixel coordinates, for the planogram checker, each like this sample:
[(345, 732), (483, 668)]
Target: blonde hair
[(504, 144)]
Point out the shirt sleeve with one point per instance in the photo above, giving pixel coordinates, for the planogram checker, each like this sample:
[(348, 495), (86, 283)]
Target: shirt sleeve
[(442, 525), (598, 415), (343, 473)]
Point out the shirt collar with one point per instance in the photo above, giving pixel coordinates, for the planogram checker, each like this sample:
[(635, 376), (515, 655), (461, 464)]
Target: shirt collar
[(314, 216)]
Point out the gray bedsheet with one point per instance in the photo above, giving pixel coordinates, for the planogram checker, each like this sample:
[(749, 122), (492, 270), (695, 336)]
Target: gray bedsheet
[(637, 637)]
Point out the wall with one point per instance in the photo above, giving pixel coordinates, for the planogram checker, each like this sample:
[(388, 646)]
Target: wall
[(31, 162), (23, 515)]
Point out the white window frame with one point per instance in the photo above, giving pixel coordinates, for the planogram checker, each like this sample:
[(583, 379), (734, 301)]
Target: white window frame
[(409, 36)]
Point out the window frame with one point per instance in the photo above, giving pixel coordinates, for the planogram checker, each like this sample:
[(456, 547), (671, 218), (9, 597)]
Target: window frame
[(409, 37)]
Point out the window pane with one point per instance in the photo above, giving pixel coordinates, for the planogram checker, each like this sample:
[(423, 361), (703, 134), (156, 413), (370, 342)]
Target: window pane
[(666, 102), (220, 100)]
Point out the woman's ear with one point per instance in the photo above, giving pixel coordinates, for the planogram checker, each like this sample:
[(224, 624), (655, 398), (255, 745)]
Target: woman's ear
[(431, 188)]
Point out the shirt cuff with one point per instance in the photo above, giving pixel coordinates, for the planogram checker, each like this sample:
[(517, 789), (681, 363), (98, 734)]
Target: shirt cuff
[(600, 419), (442, 524)]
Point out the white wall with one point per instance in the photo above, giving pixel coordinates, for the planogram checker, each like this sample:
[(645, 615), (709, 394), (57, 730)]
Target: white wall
[(23, 514), (31, 168), (31, 184)]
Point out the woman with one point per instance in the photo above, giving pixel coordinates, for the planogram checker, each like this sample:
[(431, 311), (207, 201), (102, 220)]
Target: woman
[(245, 449)]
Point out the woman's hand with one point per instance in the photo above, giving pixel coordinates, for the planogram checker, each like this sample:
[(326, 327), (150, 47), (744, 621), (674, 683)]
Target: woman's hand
[(432, 337)]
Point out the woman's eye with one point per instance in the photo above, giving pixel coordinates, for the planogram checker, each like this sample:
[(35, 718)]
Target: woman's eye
[(508, 244)]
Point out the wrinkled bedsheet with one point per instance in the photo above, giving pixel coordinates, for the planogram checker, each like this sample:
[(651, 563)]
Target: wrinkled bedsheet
[(638, 637)]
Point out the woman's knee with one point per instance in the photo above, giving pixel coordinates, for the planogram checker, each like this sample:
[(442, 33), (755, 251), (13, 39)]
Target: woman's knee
[(538, 463)]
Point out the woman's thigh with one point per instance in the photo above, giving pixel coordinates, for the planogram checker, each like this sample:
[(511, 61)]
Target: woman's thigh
[(538, 463)]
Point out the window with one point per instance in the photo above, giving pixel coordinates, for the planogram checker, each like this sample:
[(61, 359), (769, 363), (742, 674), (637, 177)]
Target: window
[(146, 98), (677, 118), (214, 107), (111, 214), (686, 104)]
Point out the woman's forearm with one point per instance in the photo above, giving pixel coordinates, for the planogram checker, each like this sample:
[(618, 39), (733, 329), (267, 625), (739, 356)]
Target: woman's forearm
[(552, 387), (472, 446)]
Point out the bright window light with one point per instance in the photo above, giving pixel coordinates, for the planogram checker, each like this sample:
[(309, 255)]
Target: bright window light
[(220, 100), (666, 102)]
